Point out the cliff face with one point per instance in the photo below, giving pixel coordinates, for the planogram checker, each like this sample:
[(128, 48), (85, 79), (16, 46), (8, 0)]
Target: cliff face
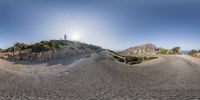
[(146, 49)]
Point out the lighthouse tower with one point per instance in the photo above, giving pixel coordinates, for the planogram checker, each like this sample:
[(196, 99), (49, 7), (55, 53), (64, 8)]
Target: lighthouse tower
[(65, 37)]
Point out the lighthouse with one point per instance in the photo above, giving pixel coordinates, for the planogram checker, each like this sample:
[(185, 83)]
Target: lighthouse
[(65, 37)]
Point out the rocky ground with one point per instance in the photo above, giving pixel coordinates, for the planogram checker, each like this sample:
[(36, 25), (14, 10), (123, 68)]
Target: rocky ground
[(97, 77), (197, 55)]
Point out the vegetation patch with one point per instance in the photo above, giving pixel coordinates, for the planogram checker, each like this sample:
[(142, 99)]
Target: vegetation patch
[(49, 50), (194, 53), (129, 59), (51, 45), (1, 50), (38, 47), (175, 50)]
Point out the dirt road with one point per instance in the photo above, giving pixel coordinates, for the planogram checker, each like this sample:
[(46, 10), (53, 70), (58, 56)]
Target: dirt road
[(100, 78)]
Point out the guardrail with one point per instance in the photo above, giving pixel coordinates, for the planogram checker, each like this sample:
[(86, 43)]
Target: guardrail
[(116, 56)]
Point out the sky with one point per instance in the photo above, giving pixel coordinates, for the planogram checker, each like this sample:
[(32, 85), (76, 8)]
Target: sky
[(112, 24)]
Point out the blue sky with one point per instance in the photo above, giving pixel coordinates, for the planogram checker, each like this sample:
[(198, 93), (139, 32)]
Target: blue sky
[(113, 24)]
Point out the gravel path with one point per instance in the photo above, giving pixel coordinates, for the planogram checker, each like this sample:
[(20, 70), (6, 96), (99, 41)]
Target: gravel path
[(100, 78)]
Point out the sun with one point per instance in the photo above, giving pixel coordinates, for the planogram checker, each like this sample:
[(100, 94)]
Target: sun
[(76, 36)]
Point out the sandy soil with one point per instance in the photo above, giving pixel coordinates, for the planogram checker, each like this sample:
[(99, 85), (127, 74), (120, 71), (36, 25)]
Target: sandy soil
[(99, 78)]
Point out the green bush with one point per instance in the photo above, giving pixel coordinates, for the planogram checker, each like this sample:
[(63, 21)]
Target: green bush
[(193, 52), (150, 58), (130, 58), (53, 44), (1, 50), (176, 50), (39, 47), (20, 46), (81, 47), (163, 51), (50, 46), (11, 49), (42, 46)]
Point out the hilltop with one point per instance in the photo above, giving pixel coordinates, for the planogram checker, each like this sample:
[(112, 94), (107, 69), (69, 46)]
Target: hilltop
[(48, 50)]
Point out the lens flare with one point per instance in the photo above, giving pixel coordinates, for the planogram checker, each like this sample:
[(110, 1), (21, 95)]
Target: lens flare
[(76, 36)]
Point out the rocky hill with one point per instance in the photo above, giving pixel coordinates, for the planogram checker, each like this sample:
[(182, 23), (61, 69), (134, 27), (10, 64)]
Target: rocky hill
[(197, 55), (194, 53), (141, 50), (50, 50)]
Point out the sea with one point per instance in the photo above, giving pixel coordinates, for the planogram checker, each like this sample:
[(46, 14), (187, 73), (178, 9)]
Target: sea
[(185, 51)]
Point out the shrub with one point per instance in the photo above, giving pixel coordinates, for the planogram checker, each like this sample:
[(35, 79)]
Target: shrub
[(53, 44), (39, 47), (150, 58), (46, 45), (20, 46), (1, 50), (11, 49), (50, 46), (130, 58), (81, 47), (193, 52), (176, 50), (163, 51)]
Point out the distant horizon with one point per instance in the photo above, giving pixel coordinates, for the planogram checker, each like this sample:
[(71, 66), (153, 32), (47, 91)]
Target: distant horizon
[(182, 50), (111, 24)]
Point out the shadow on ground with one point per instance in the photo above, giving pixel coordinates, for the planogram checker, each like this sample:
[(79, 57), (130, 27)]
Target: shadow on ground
[(62, 61)]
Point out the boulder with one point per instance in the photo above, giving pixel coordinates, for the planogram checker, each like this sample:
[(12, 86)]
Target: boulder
[(146, 49), (197, 55)]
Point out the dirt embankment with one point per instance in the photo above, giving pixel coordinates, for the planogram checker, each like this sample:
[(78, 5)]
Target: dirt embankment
[(100, 78)]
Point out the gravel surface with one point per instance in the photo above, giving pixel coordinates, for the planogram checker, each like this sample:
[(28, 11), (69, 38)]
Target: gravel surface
[(99, 78)]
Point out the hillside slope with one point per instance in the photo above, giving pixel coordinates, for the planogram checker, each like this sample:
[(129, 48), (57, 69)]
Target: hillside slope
[(99, 78), (48, 50)]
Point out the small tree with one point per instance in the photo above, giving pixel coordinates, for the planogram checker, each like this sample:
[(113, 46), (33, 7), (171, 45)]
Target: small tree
[(20, 46), (9, 49), (176, 50), (193, 52), (38, 47)]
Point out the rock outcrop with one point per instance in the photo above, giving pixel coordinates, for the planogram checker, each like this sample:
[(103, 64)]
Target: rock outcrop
[(52, 55), (196, 55), (142, 50), (64, 51)]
